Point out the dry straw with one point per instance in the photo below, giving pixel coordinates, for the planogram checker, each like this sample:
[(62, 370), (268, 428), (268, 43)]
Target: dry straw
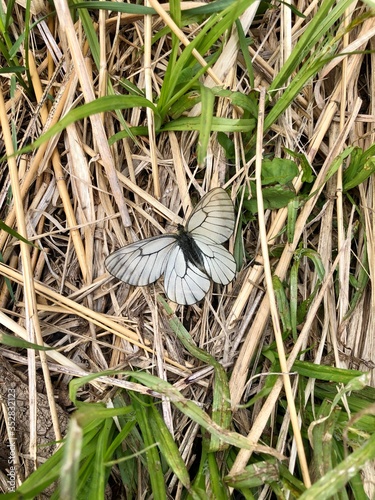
[(78, 198)]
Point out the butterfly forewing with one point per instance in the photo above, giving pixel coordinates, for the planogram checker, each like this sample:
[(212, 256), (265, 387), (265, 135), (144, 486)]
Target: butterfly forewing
[(143, 262), (213, 217)]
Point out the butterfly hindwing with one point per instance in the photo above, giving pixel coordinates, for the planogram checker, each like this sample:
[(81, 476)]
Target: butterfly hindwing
[(184, 283), (219, 264)]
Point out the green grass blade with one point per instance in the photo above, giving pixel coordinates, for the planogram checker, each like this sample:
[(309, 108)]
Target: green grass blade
[(207, 113), (151, 452), (332, 482), (100, 105), (168, 446)]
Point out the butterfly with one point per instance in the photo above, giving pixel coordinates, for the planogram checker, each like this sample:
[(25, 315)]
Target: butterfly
[(189, 259)]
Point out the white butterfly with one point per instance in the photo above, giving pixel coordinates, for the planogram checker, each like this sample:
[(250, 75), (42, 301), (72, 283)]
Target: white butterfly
[(188, 259)]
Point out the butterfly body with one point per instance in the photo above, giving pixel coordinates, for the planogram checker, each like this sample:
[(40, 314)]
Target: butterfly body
[(189, 248), (188, 259)]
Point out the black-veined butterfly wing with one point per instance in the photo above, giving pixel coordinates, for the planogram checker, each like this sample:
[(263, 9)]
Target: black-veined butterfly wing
[(213, 217), (143, 262), (184, 283), (219, 264), (188, 261), (210, 224)]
